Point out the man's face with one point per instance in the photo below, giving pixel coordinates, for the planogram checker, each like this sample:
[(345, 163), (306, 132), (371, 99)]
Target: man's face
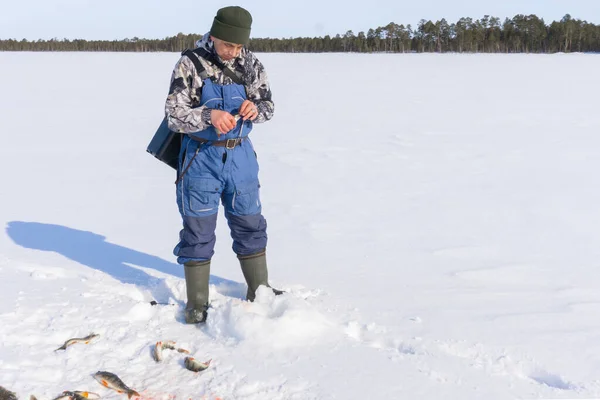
[(227, 51)]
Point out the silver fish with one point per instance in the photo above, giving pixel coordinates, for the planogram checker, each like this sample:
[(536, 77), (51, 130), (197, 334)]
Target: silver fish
[(157, 352), (66, 395), (113, 382), (85, 340), (169, 345), (160, 346), (85, 395), (76, 395), (7, 394), (193, 365)]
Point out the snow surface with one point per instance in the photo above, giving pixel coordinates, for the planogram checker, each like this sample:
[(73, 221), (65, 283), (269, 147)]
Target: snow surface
[(434, 219)]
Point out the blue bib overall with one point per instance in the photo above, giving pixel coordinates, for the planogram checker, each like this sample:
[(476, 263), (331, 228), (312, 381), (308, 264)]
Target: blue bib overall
[(218, 174)]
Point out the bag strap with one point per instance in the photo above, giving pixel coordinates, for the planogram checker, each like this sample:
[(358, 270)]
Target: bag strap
[(210, 57), (180, 176), (194, 58), (200, 70)]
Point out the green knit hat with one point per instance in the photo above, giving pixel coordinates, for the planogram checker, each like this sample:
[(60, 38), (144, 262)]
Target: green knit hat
[(232, 24)]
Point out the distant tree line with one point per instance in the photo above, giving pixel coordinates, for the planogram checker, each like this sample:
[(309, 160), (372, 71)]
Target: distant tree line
[(521, 34)]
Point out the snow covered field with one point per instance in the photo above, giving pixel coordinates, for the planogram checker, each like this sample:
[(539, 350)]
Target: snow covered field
[(435, 220)]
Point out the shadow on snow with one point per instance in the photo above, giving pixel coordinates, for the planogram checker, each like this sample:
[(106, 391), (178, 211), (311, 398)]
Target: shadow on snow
[(94, 251)]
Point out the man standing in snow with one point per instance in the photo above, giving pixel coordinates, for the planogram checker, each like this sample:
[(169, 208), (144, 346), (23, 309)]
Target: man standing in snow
[(215, 99)]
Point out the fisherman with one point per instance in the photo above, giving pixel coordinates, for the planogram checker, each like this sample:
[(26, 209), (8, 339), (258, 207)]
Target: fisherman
[(215, 100)]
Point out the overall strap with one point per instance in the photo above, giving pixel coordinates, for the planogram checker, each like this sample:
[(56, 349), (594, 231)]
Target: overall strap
[(201, 71)]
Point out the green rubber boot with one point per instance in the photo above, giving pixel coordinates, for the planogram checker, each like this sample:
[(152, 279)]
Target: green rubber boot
[(196, 282), (254, 268)]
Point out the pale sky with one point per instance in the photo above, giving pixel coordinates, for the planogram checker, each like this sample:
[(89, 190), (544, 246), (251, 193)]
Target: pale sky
[(156, 19)]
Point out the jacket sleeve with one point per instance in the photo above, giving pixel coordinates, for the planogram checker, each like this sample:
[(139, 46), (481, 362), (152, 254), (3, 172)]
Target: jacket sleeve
[(259, 92), (182, 106)]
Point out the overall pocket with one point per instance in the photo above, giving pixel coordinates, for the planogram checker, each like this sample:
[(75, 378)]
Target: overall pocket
[(246, 200), (204, 194)]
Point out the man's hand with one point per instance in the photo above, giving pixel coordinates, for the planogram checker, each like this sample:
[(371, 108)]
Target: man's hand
[(248, 110), (222, 120)]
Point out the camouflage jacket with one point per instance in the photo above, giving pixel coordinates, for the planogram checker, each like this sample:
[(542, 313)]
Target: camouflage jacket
[(182, 108)]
